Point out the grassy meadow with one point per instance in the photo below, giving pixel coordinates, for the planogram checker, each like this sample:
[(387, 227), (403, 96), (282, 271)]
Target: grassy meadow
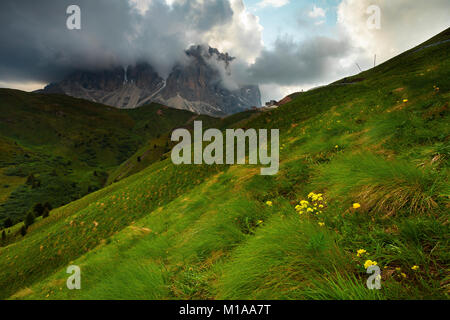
[(57, 149)]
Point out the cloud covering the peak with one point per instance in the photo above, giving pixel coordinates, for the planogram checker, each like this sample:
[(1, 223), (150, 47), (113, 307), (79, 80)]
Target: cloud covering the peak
[(37, 46)]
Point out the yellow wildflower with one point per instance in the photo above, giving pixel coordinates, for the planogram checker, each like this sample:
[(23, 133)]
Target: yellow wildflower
[(310, 210), (403, 275), (415, 268), (405, 100), (269, 203), (360, 252), (369, 263), (356, 206), (321, 224)]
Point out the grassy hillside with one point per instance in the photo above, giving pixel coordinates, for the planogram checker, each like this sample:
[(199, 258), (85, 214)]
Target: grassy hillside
[(158, 148), (56, 149), (369, 154)]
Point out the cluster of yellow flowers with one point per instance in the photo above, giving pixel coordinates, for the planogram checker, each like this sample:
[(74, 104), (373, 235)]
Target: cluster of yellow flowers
[(402, 274), (368, 263), (314, 205), (360, 252)]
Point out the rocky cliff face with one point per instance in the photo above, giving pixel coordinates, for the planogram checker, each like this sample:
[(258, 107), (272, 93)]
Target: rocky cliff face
[(120, 87), (196, 86)]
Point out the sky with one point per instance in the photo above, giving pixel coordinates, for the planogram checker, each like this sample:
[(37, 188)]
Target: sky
[(283, 45)]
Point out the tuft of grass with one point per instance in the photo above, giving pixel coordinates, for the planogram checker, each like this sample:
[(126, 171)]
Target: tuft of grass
[(384, 186), (281, 261)]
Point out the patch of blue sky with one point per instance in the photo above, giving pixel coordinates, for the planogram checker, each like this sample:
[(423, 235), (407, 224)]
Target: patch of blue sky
[(294, 19)]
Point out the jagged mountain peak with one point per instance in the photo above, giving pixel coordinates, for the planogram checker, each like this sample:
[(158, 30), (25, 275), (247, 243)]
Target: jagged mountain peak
[(205, 53), (196, 86)]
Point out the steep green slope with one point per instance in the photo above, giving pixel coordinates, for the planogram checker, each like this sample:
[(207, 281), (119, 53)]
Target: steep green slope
[(158, 147), (56, 149), (371, 154)]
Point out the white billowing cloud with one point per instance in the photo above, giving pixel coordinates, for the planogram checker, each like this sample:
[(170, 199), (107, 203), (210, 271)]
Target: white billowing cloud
[(272, 3), (404, 24), (317, 12), (241, 37)]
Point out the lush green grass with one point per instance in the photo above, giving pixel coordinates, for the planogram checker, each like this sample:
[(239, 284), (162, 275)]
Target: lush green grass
[(56, 240), (158, 147), (72, 146), (200, 232)]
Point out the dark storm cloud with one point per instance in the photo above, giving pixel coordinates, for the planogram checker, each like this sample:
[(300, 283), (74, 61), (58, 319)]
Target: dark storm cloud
[(37, 46), (293, 63)]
